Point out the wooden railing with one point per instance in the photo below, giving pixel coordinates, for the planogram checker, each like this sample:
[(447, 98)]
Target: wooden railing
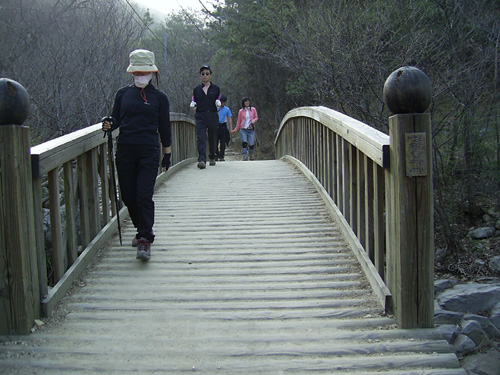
[(378, 187), (70, 181), (350, 164)]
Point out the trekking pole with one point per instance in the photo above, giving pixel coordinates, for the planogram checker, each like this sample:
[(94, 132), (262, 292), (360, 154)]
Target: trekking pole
[(112, 161)]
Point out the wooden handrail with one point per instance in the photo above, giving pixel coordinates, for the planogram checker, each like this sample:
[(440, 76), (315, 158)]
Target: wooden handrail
[(349, 162), (83, 194)]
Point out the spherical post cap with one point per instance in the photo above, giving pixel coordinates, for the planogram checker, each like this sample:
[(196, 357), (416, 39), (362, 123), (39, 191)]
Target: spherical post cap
[(407, 90), (14, 102)]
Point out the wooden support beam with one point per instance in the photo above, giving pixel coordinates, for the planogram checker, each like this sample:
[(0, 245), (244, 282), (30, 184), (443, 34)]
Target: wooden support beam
[(410, 221), (19, 291)]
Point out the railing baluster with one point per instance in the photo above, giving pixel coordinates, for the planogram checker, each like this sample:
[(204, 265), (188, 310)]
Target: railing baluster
[(94, 201), (103, 177), (339, 172), (41, 254), (353, 187), (58, 250), (361, 197), (70, 204), (83, 199), (379, 220), (346, 179), (369, 208)]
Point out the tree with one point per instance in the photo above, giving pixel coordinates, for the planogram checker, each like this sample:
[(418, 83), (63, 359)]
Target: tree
[(71, 83)]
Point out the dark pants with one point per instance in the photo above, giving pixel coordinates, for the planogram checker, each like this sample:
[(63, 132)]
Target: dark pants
[(222, 140), (206, 122), (137, 167)]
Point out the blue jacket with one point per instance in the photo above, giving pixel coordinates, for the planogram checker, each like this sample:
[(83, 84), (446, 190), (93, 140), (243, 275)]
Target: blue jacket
[(224, 113)]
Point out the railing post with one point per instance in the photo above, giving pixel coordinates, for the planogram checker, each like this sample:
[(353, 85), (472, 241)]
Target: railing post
[(19, 287), (410, 232)]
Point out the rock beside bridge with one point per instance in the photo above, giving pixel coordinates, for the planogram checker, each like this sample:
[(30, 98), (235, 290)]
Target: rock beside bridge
[(469, 315)]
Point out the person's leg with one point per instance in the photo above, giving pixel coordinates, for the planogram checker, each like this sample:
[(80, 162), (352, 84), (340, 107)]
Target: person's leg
[(127, 165), (222, 141), (218, 143), (201, 137), (146, 178), (251, 143), (222, 152), (212, 124), (244, 143)]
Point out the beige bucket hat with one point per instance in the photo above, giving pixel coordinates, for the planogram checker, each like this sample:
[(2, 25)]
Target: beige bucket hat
[(142, 60)]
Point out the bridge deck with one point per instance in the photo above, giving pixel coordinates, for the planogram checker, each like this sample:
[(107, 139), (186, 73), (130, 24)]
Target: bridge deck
[(248, 276)]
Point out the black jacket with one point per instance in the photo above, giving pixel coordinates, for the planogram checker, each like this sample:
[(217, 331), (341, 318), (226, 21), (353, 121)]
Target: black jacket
[(206, 103), (141, 114)]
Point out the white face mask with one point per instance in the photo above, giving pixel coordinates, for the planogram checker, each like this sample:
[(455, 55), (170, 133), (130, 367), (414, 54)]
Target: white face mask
[(142, 81)]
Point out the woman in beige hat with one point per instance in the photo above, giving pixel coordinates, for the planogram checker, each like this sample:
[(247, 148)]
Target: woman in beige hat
[(141, 111)]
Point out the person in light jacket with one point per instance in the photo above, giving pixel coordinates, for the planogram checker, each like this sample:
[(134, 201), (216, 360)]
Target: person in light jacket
[(247, 117)]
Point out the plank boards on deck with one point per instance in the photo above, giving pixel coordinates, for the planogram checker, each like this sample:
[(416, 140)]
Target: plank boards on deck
[(248, 276)]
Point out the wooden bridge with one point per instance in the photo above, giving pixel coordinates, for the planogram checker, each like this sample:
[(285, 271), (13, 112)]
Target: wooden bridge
[(263, 267)]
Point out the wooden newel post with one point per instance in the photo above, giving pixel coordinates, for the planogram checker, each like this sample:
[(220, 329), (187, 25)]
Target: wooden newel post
[(19, 287), (410, 232)]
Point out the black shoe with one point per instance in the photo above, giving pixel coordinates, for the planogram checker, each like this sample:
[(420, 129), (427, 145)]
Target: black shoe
[(212, 162), (201, 165), (222, 159)]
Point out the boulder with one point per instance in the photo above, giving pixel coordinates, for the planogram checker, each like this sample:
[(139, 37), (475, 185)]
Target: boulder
[(463, 344), (470, 297), (494, 265), (474, 331), (482, 233), (442, 284), (486, 363), (486, 324)]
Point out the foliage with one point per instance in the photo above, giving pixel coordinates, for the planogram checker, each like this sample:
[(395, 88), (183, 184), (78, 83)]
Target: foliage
[(69, 55), (283, 54), (338, 53)]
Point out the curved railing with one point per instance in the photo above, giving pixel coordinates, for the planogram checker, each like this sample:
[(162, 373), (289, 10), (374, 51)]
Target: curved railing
[(349, 162), (74, 209)]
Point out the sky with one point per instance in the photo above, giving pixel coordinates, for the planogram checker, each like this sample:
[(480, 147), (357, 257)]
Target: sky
[(167, 6)]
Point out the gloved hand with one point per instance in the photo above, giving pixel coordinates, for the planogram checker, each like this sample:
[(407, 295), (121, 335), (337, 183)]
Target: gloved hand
[(217, 103), (107, 123), (193, 104), (166, 161)]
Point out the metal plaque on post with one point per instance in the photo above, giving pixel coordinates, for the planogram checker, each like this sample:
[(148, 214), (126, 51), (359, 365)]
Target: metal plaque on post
[(416, 155)]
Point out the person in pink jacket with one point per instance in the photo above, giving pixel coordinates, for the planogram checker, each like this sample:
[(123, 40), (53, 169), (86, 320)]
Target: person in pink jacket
[(247, 117)]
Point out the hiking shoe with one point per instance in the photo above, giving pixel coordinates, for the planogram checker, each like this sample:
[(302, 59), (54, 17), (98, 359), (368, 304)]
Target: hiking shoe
[(212, 162), (143, 249), (201, 165), (245, 157), (134, 242), (222, 159)]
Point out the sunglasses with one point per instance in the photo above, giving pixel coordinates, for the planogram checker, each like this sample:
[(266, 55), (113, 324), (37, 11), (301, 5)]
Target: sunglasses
[(205, 74)]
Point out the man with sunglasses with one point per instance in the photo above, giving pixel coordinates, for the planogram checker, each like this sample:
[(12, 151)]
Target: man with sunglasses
[(206, 100)]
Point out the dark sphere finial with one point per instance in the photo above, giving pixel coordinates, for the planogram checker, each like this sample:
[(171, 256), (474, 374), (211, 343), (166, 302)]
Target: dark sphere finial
[(407, 90), (14, 102)]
